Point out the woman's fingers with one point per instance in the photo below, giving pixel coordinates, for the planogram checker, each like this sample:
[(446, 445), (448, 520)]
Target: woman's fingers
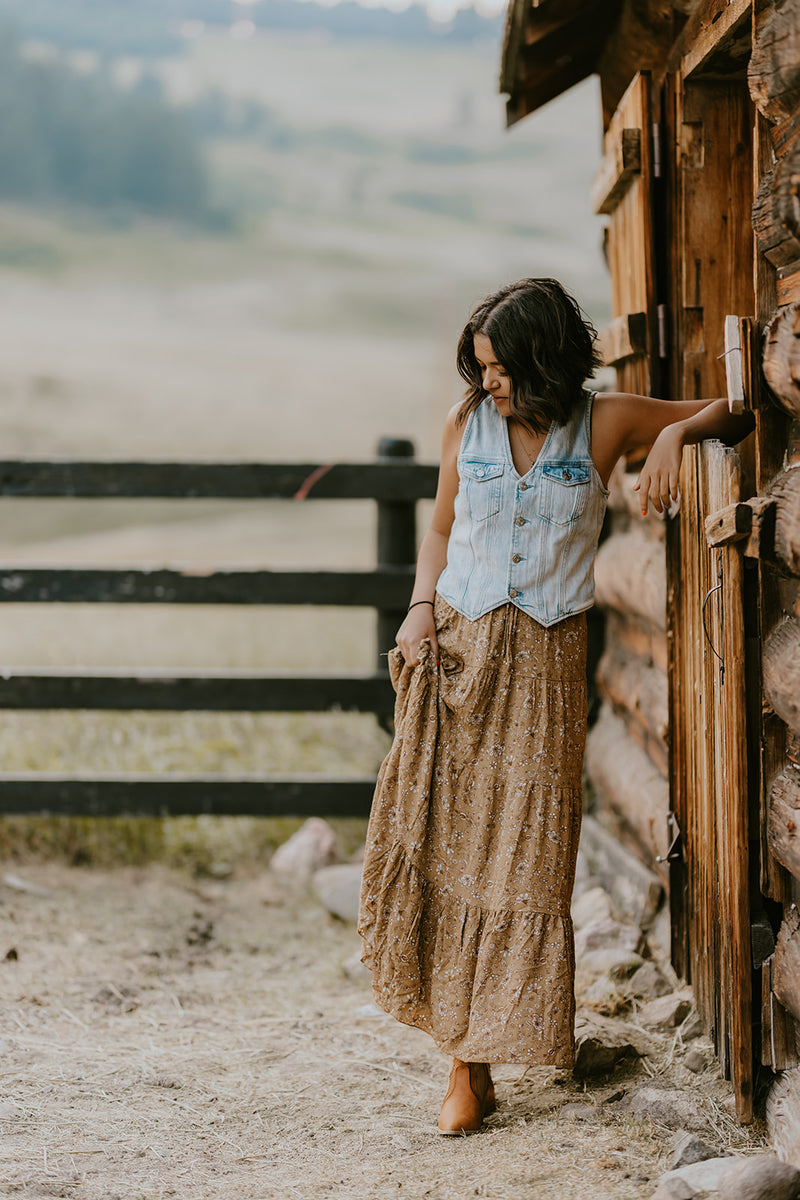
[(417, 626)]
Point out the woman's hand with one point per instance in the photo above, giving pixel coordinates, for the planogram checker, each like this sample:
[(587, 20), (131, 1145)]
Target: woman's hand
[(658, 478), (418, 624)]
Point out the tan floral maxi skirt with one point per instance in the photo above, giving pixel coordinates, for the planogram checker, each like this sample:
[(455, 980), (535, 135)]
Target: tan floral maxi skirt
[(470, 855)]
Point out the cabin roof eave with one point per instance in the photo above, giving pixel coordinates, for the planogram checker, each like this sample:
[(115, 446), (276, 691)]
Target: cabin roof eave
[(549, 46)]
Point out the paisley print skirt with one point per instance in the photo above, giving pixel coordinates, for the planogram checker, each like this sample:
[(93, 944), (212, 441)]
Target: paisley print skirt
[(470, 856)]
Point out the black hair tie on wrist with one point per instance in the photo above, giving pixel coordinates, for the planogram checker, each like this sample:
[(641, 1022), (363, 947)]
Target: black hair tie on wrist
[(416, 602)]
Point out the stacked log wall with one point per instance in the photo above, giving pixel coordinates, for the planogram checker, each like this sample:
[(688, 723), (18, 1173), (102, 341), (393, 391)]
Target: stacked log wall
[(774, 82), (626, 757)]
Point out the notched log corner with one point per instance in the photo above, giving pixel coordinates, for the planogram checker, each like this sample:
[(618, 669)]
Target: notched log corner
[(773, 73), (781, 363)]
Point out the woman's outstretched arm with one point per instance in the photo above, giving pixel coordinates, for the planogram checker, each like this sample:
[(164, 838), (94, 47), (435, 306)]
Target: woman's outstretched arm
[(622, 421)]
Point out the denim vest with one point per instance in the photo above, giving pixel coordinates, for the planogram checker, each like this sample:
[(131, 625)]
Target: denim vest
[(529, 539)]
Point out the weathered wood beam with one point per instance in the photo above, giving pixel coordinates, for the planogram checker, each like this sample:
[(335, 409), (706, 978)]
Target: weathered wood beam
[(761, 538), (777, 1027), (623, 338), (630, 576), (783, 822), (543, 78), (739, 332), (731, 524), (781, 666), (382, 588), (242, 691), (180, 795), (773, 73), (621, 163), (788, 284), (781, 362), (389, 479), (717, 38), (629, 784), (776, 211)]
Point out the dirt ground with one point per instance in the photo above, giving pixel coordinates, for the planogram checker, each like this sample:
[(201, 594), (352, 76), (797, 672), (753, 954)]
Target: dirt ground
[(164, 1036)]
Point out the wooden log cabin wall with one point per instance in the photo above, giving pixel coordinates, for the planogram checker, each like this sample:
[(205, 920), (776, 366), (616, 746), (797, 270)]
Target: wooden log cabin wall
[(695, 756)]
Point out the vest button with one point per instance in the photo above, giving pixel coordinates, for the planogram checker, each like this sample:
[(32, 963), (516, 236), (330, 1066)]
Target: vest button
[(513, 593), (523, 487), (567, 475), (516, 558), (520, 521), (480, 473)]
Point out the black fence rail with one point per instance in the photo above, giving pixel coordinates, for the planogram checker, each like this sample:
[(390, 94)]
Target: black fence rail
[(394, 480)]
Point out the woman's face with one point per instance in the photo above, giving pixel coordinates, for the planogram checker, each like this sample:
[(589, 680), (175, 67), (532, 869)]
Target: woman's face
[(494, 377)]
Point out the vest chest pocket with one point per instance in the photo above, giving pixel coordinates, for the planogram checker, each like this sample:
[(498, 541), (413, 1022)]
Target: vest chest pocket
[(483, 484), (565, 492)]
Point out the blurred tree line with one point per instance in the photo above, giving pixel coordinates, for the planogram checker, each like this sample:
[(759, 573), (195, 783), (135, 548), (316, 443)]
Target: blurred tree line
[(67, 137), (150, 28)]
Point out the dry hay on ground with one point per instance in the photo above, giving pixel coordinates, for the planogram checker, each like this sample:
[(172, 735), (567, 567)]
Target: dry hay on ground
[(164, 1037)]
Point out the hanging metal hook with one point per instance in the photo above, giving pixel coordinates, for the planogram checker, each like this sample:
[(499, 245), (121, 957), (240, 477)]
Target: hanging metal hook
[(716, 588)]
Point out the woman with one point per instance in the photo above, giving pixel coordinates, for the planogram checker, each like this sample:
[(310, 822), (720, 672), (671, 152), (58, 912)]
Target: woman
[(470, 857)]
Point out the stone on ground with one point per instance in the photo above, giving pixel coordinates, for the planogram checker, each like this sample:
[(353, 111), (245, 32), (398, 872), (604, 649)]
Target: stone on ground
[(607, 934), (337, 888), (666, 1012), (688, 1148), (667, 1107), (617, 962), (695, 1060), (592, 905), (599, 1047), (698, 1181), (648, 982), (760, 1178), (604, 996), (313, 846)]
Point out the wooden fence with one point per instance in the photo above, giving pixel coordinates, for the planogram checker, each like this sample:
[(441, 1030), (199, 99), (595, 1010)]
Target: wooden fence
[(394, 480)]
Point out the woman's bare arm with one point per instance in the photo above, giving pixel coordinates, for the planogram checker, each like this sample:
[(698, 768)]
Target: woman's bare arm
[(622, 421), (432, 556)]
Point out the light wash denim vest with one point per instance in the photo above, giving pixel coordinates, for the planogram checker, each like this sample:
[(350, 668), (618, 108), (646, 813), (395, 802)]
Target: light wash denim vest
[(529, 539)]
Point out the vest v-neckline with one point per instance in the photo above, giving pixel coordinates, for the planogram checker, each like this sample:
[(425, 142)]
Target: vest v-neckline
[(510, 452)]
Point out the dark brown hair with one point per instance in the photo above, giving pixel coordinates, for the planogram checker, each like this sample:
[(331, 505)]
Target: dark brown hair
[(542, 339)]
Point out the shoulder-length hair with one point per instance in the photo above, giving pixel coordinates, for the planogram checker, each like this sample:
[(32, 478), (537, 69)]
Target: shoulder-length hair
[(543, 340)]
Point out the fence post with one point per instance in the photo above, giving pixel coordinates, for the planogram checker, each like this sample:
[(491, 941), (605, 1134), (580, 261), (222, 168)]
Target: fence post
[(397, 544)]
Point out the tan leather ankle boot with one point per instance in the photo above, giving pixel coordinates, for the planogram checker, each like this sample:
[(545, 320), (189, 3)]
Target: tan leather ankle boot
[(470, 1096)]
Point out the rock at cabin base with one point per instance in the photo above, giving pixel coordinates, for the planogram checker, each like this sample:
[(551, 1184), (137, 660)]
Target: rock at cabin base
[(618, 963), (648, 982), (667, 1107), (687, 1149), (593, 905), (697, 1181), (599, 1047), (311, 847), (606, 934), (695, 1060), (665, 1013), (760, 1178), (605, 997), (337, 888)]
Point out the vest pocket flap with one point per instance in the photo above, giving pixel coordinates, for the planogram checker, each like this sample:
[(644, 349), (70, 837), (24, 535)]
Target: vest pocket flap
[(568, 473), (478, 470)]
